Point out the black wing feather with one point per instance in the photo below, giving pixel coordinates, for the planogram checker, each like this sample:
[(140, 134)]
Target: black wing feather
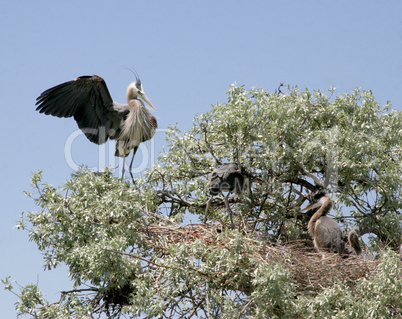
[(87, 99)]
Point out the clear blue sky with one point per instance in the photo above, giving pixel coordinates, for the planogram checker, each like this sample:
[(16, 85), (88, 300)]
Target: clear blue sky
[(187, 53)]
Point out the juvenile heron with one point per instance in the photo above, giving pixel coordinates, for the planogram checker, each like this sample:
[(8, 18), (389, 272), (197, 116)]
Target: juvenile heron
[(226, 178), (326, 232), (88, 100)]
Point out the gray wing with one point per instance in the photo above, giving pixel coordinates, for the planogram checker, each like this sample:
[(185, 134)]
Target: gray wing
[(88, 100)]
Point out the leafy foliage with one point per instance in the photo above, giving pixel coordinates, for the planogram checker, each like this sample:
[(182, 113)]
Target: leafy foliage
[(129, 251)]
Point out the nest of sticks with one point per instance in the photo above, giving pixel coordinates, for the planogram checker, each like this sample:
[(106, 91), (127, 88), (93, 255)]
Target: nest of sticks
[(310, 271)]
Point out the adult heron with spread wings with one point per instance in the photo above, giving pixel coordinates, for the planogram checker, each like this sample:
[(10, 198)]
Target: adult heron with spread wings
[(88, 100)]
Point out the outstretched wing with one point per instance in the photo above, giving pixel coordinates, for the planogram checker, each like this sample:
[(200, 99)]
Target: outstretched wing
[(87, 99)]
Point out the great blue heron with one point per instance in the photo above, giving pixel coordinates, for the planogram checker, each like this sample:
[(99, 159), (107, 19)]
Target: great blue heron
[(226, 178), (88, 100), (326, 232)]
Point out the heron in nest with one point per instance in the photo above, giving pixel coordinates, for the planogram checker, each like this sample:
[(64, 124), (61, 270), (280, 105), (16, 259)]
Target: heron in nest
[(326, 233)]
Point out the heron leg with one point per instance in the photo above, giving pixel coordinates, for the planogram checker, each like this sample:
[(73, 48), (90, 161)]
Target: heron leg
[(131, 164), (206, 210), (122, 171), (228, 207)]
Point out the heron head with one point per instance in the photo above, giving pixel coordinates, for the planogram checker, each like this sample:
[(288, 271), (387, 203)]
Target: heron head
[(318, 199), (135, 90)]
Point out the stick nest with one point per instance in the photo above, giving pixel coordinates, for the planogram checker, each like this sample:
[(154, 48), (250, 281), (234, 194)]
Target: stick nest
[(310, 271)]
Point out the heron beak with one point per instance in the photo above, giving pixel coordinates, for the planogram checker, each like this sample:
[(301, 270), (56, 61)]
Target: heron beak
[(144, 97), (318, 204), (307, 208)]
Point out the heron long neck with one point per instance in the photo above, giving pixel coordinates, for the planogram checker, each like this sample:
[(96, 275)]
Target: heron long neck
[(322, 211), (353, 239)]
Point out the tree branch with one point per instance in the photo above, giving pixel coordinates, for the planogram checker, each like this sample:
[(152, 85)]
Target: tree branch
[(302, 182)]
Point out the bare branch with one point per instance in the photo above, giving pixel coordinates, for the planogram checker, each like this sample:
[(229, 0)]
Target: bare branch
[(316, 180)]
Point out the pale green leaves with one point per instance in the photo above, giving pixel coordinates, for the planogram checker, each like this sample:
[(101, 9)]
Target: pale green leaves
[(126, 243)]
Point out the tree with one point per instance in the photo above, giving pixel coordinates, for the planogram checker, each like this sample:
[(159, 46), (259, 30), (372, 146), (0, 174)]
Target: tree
[(131, 250)]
